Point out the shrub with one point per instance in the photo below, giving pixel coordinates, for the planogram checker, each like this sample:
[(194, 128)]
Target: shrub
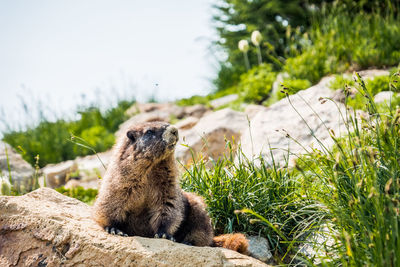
[(256, 84), (293, 86)]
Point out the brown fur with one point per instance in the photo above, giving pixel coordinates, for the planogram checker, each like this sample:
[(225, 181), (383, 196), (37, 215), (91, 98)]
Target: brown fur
[(140, 193)]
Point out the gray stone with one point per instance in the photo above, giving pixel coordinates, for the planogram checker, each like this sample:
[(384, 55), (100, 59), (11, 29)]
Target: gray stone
[(222, 101), (259, 248), (285, 125), (384, 96)]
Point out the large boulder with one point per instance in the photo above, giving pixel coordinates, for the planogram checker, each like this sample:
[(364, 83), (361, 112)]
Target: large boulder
[(296, 125), (210, 134), (45, 228), (12, 163)]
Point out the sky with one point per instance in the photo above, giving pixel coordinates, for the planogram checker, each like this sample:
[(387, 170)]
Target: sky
[(55, 55)]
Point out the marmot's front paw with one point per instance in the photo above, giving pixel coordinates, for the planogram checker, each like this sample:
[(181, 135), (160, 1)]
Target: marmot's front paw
[(164, 236), (115, 231)]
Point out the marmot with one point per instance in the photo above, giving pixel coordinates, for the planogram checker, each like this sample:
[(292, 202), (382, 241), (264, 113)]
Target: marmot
[(140, 193)]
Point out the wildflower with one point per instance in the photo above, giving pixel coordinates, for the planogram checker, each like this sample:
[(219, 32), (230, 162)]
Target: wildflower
[(256, 38), (243, 46)]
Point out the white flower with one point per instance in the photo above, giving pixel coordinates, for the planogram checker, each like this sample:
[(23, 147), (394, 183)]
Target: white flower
[(243, 46), (256, 38)]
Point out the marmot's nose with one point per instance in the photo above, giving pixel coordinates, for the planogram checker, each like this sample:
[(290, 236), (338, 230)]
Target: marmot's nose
[(170, 134)]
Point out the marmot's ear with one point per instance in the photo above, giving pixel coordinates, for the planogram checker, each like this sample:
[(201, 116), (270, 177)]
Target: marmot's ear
[(131, 135)]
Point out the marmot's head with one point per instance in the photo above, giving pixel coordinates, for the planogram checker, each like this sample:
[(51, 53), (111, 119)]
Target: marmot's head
[(152, 141)]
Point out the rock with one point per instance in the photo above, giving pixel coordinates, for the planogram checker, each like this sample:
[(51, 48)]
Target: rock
[(252, 109), (45, 228), (317, 245), (370, 74), (384, 96), (73, 183), (187, 123), (56, 174), (222, 101), (208, 136), (259, 248), (22, 173), (168, 108), (91, 167), (197, 111), (272, 127)]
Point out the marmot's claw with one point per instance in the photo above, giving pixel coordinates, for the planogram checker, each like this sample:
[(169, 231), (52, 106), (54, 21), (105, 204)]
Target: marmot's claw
[(187, 243), (115, 231), (164, 236)]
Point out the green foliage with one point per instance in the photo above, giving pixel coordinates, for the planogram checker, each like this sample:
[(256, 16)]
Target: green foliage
[(256, 84), (51, 140), (344, 39), (310, 65), (293, 86), (5, 186), (193, 100), (237, 19), (97, 137), (230, 186), (357, 97), (85, 195)]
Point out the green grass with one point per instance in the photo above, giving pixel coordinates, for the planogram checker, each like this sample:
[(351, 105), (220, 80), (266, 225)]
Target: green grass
[(343, 40), (52, 140), (359, 184), (85, 195), (230, 185)]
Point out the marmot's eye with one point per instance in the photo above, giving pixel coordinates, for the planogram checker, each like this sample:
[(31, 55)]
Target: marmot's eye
[(131, 135), (149, 132)]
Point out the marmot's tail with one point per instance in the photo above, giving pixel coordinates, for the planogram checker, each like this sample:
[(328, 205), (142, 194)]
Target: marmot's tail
[(237, 242)]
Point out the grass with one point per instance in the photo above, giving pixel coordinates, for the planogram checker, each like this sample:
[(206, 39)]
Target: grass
[(85, 195), (230, 186), (359, 185)]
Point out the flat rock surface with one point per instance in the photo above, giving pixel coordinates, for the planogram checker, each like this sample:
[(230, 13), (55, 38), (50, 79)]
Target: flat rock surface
[(45, 228)]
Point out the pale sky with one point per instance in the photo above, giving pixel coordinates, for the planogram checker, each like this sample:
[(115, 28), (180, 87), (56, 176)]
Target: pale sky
[(55, 51)]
